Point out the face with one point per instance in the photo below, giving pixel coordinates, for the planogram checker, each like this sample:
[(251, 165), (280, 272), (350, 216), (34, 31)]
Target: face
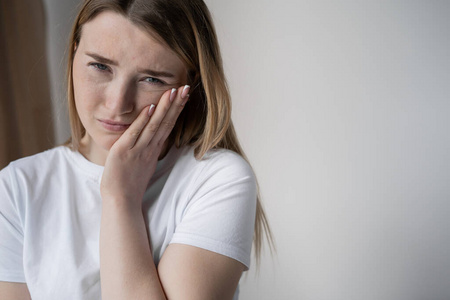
[(118, 69)]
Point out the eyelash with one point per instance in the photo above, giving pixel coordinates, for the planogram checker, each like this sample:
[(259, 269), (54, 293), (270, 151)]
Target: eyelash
[(158, 82), (102, 68), (99, 66)]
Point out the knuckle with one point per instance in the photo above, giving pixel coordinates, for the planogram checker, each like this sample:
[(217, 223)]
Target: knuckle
[(180, 106), (167, 125), (153, 127), (160, 143), (135, 133)]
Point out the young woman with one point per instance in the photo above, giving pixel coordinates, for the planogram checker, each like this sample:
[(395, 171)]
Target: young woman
[(151, 198)]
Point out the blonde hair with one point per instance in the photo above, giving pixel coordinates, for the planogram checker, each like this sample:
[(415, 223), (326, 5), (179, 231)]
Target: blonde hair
[(205, 122)]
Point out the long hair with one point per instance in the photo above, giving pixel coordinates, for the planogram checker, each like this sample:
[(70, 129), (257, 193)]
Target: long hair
[(186, 27)]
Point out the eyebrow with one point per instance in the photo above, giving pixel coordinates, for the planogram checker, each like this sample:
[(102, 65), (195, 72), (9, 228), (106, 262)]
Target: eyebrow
[(150, 72)]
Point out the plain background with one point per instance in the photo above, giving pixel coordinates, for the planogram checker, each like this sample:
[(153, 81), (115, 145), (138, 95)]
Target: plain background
[(342, 108)]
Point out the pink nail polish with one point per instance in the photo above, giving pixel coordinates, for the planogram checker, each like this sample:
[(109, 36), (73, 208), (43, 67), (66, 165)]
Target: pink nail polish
[(185, 91), (151, 110), (173, 94)]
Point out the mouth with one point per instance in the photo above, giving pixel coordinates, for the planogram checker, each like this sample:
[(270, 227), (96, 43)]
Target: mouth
[(113, 125)]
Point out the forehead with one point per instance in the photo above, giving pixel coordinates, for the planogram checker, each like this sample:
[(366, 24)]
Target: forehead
[(115, 37)]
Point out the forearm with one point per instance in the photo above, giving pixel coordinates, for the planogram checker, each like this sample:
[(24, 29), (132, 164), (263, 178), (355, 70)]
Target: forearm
[(127, 269)]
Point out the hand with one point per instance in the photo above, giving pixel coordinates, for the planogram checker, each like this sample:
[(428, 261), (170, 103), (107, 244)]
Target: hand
[(132, 159)]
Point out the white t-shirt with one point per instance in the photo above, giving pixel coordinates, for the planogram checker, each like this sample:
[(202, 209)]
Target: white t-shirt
[(50, 208)]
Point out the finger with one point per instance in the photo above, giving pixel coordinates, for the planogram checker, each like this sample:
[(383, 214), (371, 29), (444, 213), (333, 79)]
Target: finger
[(131, 135), (170, 119), (154, 125)]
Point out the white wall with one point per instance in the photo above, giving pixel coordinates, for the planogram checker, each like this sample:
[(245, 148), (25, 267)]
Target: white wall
[(342, 107)]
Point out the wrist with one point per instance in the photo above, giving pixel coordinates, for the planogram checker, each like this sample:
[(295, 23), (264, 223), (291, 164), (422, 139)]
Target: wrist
[(121, 204)]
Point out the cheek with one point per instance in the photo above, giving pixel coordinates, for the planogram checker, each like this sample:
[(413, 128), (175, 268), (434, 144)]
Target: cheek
[(87, 93), (145, 97), (86, 86), (86, 97)]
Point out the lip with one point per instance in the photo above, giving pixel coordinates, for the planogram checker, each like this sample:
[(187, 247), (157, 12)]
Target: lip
[(113, 125)]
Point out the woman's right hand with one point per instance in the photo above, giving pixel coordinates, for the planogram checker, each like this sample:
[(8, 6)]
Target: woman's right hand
[(132, 159)]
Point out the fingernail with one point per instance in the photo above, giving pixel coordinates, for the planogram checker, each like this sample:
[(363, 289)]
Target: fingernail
[(151, 110), (173, 94), (185, 91)]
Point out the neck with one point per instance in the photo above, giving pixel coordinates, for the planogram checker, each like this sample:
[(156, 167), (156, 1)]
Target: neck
[(93, 152)]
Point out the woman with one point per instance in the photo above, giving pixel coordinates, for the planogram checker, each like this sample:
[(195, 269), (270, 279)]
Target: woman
[(151, 198)]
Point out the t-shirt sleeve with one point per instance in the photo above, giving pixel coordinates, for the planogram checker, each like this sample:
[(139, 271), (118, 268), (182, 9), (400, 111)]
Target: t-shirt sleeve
[(11, 233), (220, 215)]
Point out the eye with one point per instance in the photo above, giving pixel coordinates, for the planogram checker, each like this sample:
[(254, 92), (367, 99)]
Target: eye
[(99, 66), (153, 80)]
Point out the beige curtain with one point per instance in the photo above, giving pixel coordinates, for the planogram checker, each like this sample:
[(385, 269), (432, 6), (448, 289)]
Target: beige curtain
[(25, 108)]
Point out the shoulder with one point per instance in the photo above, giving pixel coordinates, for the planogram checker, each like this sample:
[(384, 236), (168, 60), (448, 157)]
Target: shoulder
[(219, 173), (32, 170), (39, 162), (35, 160), (218, 203), (38, 159), (216, 163), (18, 179)]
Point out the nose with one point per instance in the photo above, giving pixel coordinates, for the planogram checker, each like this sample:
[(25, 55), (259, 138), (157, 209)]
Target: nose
[(120, 97)]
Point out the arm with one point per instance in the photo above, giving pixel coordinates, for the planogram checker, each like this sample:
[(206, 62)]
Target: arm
[(11, 243), (127, 269), (184, 272), (126, 263), (14, 291), (188, 272)]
